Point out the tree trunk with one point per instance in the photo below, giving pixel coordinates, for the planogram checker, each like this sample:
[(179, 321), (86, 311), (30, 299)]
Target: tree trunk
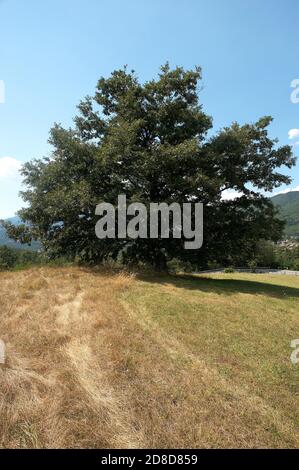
[(160, 263)]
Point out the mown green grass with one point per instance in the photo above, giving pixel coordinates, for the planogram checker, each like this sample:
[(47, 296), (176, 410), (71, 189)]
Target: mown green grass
[(240, 325)]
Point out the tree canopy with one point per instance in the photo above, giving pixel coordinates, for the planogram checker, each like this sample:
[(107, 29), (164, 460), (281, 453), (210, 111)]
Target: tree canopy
[(152, 142)]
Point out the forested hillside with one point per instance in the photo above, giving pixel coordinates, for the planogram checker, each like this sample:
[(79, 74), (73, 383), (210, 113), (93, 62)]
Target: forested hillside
[(289, 209)]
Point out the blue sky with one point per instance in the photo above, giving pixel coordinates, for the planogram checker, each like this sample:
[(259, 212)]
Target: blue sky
[(52, 53)]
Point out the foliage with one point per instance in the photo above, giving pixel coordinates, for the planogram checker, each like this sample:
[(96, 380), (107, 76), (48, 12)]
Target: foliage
[(14, 227), (288, 258), (178, 266), (149, 141), (11, 258), (253, 265), (8, 257), (229, 270), (270, 255)]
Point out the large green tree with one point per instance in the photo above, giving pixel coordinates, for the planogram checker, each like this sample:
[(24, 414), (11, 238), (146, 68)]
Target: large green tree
[(150, 141)]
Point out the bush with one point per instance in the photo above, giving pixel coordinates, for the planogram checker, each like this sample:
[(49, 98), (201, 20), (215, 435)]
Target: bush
[(11, 258), (179, 266), (229, 270), (253, 265), (8, 257)]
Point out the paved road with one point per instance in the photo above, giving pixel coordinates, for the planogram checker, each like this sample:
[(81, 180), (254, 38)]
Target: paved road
[(257, 271)]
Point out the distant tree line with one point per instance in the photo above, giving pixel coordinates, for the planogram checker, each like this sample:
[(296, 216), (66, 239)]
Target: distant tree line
[(265, 254), (11, 258), (270, 255)]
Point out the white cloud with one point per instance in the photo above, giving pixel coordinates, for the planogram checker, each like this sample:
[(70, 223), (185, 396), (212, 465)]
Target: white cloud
[(230, 194), (288, 190), (10, 185), (9, 167), (293, 133)]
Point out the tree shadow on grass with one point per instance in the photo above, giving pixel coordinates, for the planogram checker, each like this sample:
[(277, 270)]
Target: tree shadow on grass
[(225, 286)]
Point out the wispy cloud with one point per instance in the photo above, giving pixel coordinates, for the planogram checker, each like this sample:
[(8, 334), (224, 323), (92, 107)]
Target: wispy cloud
[(230, 195), (293, 133), (288, 190), (10, 185), (9, 167)]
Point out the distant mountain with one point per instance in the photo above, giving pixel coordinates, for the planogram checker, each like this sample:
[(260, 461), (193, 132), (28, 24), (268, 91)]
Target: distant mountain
[(4, 240), (288, 205)]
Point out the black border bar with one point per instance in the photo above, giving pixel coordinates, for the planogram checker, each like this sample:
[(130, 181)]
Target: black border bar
[(135, 459)]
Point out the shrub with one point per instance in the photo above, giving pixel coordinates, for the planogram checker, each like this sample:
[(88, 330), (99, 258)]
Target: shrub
[(177, 265), (229, 270), (8, 257), (11, 258), (252, 265)]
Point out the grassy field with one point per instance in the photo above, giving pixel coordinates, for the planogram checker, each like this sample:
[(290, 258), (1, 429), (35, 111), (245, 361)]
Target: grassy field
[(96, 359)]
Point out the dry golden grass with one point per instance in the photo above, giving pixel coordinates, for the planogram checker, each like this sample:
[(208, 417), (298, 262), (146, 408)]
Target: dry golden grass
[(98, 359)]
